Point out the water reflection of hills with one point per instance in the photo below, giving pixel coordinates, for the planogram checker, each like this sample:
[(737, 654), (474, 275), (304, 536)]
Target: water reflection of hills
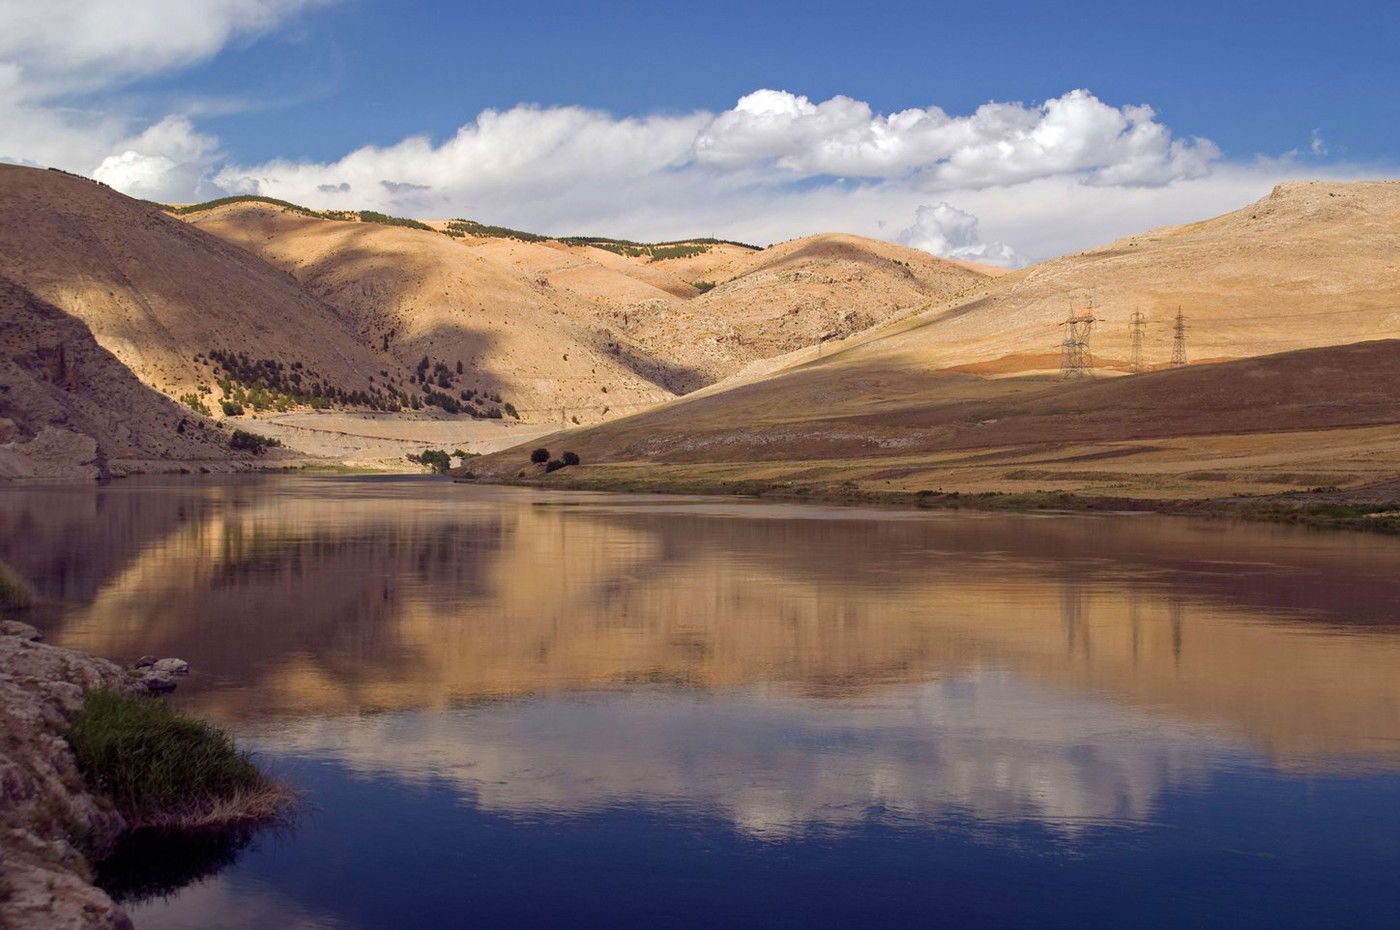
[(338, 596)]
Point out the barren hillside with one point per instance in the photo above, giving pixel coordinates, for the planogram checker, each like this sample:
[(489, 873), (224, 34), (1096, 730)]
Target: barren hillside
[(156, 292), (70, 409), (795, 294), (494, 308), (1286, 422), (1312, 264), (556, 322), (1293, 331)]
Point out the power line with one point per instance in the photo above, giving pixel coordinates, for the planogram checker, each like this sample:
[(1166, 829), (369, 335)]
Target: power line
[(1075, 358), (1179, 340), (1136, 324)]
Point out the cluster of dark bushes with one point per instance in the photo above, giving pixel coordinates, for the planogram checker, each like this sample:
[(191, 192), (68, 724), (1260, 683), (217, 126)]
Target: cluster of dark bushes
[(364, 216), (83, 177), (269, 384), (244, 441), (439, 460), (460, 228), (243, 198), (372, 216), (195, 403), (541, 457), (436, 378), (656, 251)]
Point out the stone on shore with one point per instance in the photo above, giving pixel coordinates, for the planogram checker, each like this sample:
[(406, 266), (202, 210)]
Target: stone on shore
[(22, 630), (45, 880)]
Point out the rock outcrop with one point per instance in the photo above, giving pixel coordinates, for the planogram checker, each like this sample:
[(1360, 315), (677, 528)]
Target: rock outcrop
[(45, 809)]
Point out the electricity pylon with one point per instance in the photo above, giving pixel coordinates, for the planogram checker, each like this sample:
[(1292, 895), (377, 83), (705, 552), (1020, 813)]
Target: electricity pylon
[(1075, 359), (1136, 324), (1179, 340)]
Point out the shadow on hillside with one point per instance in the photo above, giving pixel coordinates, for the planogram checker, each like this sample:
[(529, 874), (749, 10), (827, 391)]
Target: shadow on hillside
[(394, 281), (891, 407), (62, 377)]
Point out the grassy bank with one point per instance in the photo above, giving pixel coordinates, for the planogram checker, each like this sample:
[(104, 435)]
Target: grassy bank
[(166, 771), (15, 592), (1325, 509)]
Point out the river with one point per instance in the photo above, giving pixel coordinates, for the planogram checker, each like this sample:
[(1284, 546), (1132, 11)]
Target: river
[(511, 708)]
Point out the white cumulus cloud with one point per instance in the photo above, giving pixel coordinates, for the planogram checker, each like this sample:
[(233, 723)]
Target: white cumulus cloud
[(64, 46), (167, 162), (1043, 177), (952, 233), (59, 59), (999, 143), (573, 170)]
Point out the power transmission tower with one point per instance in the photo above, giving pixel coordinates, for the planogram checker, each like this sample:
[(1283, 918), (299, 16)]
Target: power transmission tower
[(1075, 359), (1136, 324), (1179, 340)]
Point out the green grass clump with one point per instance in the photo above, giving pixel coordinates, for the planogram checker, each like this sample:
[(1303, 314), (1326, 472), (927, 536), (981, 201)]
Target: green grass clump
[(164, 770), (194, 402), (14, 591)]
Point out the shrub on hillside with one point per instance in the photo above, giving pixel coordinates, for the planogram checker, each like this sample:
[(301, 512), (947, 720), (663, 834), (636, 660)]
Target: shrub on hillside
[(438, 460), (540, 456), (553, 465), (244, 441), (571, 458)]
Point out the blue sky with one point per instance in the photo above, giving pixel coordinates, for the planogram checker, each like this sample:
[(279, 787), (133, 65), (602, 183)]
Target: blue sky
[(208, 96), (1257, 77)]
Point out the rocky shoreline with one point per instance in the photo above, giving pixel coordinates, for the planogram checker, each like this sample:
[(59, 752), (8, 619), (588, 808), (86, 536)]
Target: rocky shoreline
[(50, 822)]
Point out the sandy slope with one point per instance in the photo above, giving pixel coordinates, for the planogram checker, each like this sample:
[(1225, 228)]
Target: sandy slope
[(1312, 264), (383, 440), (792, 295), (553, 324), (1301, 290), (493, 307), (71, 409), (1295, 420), (155, 291)]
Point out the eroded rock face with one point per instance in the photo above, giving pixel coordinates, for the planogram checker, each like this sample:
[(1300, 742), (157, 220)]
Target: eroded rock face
[(44, 805)]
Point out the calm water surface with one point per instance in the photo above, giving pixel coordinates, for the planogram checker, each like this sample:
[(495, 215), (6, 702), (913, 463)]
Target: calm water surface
[(510, 708)]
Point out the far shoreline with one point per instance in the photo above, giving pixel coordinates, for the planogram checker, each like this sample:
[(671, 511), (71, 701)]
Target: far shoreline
[(1364, 510), (1356, 510)]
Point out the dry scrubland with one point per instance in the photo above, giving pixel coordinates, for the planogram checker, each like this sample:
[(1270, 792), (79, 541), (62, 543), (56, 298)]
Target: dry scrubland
[(530, 330), (1293, 315), (829, 365)]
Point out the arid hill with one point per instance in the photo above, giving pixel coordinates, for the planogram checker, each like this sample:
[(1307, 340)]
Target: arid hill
[(156, 292), (558, 322), (1315, 417), (1313, 264), (1293, 328), (796, 294), (832, 357), (71, 409), (496, 308)]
